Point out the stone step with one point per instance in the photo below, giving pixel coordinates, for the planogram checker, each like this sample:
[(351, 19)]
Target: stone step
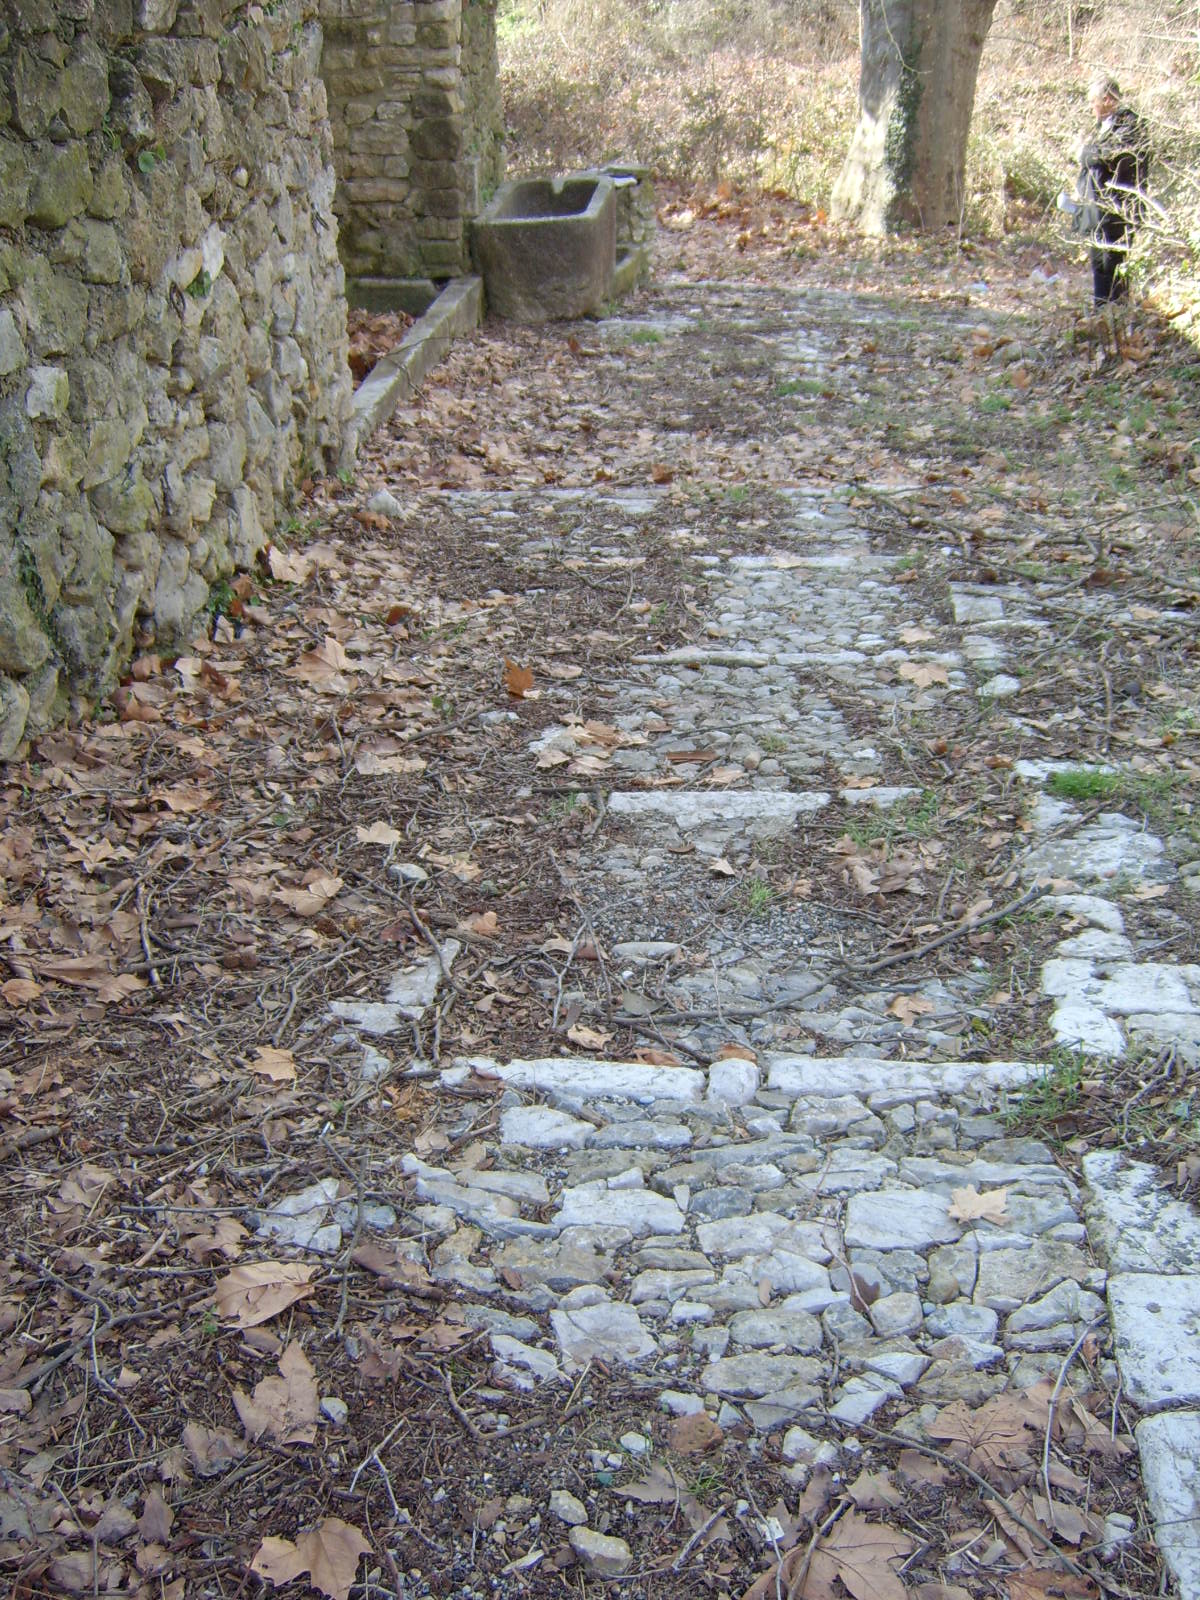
[(762, 813), (576, 1081)]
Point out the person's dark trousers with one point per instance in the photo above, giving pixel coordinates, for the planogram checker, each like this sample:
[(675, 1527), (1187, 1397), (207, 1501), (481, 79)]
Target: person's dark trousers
[(1108, 264)]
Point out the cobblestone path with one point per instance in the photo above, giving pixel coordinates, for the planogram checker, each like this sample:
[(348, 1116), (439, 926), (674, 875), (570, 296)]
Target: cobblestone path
[(773, 1240)]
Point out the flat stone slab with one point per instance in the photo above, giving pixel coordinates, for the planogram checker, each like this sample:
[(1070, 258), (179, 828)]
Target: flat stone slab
[(899, 1219), (578, 1079), (1012, 1276), (1156, 1323), (1133, 1223), (640, 1210), (543, 1128), (400, 373), (1133, 986), (604, 1330), (763, 813), (753, 1376), (831, 1076), (1111, 845), (1170, 1452), (410, 992), (696, 656)]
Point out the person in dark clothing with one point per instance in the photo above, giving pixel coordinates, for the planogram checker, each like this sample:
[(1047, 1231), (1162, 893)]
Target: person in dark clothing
[(1115, 164)]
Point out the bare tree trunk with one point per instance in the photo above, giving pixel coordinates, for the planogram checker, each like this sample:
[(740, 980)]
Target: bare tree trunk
[(919, 61)]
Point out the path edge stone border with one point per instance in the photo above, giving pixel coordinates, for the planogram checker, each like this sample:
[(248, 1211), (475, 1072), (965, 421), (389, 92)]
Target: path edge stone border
[(400, 373)]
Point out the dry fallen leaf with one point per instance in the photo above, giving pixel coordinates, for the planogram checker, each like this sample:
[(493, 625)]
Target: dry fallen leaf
[(923, 673), (692, 1435), (375, 766), (288, 566), (314, 897), (211, 1450), (517, 680), (329, 1554), (378, 833), (736, 1052), (908, 1007), (259, 1290), (969, 1205), (722, 868), (282, 1409), (278, 1065), (588, 1038), (397, 1271), (20, 991), (858, 1553)]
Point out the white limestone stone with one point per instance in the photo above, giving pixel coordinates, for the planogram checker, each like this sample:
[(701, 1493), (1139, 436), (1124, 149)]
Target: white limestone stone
[(1112, 845), (567, 1508), (303, 1219), (1097, 911), (894, 1315), (1011, 1276), (1066, 1302), (543, 1128), (526, 1188), (798, 1445), (861, 1397), (1086, 1027), (602, 1556), (899, 1219), (642, 952), (605, 1330), (1156, 1328), (1067, 976), (579, 1080), (906, 1080), (756, 1375), (660, 1284), (758, 1330), (976, 607), (733, 1081), (764, 813), (680, 1404), (640, 1134), (904, 1367), (640, 1210), (514, 1353), (1170, 1451), (1143, 986), (1097, 944), (1134, 1223), (999, 687), (729, 1238)]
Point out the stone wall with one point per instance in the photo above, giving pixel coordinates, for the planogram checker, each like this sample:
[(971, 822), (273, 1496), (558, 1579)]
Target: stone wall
[(172, 321), (415, 108), (483, 112)]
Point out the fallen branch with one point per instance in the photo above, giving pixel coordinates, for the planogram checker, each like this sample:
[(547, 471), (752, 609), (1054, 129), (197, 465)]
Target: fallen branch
[(970, 925), (993, 1493)]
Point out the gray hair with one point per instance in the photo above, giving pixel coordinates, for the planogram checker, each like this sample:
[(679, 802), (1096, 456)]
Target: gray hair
[(1104, 87)]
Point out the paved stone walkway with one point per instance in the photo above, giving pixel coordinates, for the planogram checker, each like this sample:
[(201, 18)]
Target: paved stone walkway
[(774, 1238)]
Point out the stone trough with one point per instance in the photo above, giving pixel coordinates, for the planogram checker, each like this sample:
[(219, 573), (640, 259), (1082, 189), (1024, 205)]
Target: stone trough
[(546, 247)]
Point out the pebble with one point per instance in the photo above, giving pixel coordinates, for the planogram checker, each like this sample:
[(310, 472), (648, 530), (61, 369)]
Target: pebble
[(567, 1508), (599, 1554)]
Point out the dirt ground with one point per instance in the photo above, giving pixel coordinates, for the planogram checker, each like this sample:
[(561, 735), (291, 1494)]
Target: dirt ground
[(188, 879)]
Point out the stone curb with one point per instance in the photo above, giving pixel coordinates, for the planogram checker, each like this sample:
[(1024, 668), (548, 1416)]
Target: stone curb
[(399, 375)]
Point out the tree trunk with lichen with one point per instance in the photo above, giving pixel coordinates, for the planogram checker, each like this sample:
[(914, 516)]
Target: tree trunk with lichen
[(918, 63)]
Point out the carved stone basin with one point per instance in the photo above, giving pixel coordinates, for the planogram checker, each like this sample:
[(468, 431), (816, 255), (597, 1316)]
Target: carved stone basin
[(546, 247)]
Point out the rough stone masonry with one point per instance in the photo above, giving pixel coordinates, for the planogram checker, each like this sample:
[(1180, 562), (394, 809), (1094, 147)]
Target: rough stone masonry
[(172, 321)]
